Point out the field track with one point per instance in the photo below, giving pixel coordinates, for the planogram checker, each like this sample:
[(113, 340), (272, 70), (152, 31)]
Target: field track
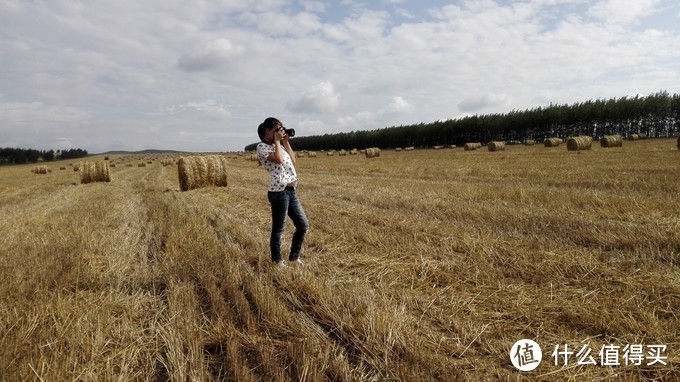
[(421, 265)]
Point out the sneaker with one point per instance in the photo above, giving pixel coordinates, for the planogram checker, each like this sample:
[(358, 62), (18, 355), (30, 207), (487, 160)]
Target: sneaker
[(280, 264), (297, 263)]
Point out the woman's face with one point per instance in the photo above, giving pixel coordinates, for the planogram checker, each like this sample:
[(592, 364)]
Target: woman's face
[(269, 133)]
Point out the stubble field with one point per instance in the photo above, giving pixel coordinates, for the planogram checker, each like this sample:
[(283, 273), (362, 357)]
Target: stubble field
[(423, 265)]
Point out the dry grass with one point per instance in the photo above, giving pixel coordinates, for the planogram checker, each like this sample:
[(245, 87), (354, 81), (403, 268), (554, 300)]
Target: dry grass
[(424, 265)]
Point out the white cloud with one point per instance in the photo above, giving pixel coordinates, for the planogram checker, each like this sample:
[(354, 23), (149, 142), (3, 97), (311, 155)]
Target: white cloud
[(622, 11), (485, 102), (211, 108), (212, 55), (320, 98)]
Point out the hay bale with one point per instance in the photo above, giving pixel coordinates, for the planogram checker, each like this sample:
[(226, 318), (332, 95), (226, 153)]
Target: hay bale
[(372, 152), (353, 152), (633, 137), (472, 146), (529, 142), (496, 146), (410, 148), (611, 141), (552, 142), (202, 171), (438, 147), (583, 142), (678, 142), (330, 153), (39, 170), (95, 172)]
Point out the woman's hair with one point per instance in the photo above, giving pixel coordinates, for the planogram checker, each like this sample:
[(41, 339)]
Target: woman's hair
[(267, 124)]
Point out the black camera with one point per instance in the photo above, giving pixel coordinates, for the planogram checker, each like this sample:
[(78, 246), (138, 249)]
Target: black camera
[(289, 132)]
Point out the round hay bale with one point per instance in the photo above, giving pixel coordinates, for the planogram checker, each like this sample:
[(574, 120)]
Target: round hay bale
[(438, 147), (372, 152), (39, 170), (529, 142), (552, 142), (410, 148), (633, 137), (202, 171), (642, 135), (95, 172), (583, 142), (496, 146), (472, 146), (611, 141), (311, 154)]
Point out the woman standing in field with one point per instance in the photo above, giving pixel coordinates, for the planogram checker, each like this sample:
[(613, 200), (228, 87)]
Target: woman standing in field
[(278, 158)]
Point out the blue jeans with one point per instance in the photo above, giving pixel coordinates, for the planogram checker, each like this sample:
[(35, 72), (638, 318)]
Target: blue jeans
[(286, 203)]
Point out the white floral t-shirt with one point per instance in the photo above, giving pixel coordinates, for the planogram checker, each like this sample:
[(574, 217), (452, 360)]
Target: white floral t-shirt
[(281, 174)]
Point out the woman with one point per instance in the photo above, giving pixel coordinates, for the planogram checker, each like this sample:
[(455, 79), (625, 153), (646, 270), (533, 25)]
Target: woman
[(278, 158)]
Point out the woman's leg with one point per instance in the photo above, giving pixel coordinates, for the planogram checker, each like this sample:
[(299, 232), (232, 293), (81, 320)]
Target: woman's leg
[(279, 202), (297, 214)]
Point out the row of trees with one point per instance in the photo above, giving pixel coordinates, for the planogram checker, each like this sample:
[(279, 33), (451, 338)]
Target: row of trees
[(10, 155), (656, 115)]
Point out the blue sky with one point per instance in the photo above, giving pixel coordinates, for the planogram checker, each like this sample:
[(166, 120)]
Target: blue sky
[(201, 75)]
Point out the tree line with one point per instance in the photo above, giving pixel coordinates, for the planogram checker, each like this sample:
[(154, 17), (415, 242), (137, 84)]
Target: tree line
[(656, 115), (9, 155)]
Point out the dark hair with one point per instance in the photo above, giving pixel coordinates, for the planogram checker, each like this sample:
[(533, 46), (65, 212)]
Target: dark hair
[(267, 124)]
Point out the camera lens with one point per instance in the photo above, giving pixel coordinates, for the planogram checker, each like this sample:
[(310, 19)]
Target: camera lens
[(290, 132)]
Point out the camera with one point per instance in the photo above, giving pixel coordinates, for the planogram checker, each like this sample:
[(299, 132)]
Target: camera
[(289, 132)]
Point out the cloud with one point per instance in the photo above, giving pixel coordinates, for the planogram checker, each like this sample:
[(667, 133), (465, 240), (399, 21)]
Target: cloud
[(80, 71), (320, 98), (212, 55), (211, 108), (622, 11), (398, 105), (487, 101), (29, 112), (373, 119)]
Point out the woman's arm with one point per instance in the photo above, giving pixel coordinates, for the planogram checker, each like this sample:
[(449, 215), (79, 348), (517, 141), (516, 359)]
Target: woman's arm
[(289, 149), (277, 156)]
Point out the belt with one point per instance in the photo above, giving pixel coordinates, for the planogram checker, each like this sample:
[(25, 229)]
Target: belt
[(290, 188)]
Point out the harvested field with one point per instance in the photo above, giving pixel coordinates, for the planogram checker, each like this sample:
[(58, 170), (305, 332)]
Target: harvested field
[(421, 266)]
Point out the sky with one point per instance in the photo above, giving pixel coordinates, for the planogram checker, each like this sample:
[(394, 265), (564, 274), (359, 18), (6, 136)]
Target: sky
[(201, 75)]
